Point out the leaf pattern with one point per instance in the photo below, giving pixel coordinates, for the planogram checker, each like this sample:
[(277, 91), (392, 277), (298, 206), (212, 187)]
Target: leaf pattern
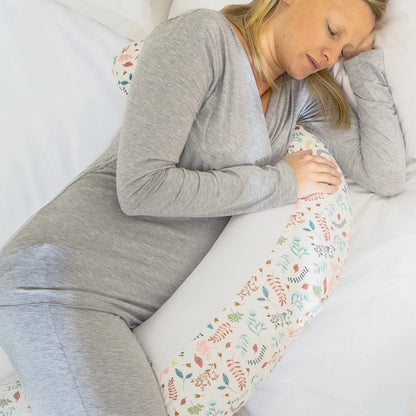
[(173, 393), (237, 372), (222, 331), (13, 401), (324, 226), (234, 354), (314, 197), (277, 287), (198, 360)]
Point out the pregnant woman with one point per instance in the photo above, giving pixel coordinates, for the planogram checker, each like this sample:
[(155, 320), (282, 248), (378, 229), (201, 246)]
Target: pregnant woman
[(212, 106)]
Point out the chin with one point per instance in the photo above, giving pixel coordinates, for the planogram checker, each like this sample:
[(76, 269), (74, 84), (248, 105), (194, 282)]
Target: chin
[(298, 73)]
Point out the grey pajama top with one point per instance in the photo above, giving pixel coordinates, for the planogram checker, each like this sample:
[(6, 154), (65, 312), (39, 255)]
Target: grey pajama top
[(194, 149)]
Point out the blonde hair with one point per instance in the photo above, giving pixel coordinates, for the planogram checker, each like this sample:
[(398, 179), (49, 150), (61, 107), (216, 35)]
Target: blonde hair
[(249, 18)]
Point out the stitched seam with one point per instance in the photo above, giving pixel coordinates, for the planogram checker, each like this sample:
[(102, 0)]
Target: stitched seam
[(67, 362)]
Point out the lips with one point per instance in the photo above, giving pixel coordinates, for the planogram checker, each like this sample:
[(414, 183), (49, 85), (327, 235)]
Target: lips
[(313, 64)]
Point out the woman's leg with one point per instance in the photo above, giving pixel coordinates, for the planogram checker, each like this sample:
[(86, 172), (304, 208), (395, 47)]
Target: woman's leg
[(77, 362)]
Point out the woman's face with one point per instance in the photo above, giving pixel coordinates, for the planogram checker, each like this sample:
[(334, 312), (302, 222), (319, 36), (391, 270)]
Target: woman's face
[(305, 36)]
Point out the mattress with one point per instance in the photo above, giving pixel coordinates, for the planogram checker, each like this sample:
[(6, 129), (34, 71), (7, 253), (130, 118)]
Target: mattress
[(60, 107)]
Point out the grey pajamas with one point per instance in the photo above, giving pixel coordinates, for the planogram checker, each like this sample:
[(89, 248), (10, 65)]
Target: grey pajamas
[(194, 148), (74, 361)]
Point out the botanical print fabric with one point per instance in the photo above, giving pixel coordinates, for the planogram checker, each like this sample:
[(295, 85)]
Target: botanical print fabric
[(228, 360), (125, 64), (13, 401)]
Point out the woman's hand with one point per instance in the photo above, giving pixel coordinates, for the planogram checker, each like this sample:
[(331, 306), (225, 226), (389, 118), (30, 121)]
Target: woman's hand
[(365, 45), (314, 174)]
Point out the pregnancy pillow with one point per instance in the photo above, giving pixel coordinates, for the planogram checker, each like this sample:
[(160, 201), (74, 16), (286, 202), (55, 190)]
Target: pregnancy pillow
[(218, 337), (216, 340)]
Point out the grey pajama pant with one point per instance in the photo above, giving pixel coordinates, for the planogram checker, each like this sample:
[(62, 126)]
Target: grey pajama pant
[(76, 362)]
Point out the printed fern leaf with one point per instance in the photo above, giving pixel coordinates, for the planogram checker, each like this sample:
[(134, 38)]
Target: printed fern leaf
[(237, 372), (324, 226), (173, 393), (222, 331), (277, 288)]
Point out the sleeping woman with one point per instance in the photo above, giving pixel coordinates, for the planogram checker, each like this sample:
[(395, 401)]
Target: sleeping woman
[(211, 108)]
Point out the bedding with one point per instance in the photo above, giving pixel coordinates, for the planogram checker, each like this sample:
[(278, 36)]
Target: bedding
[(357, 357), (133, 19), (395, 37), (179, 6)]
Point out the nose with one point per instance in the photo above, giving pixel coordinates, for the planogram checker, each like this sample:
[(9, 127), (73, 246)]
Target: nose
[(331, 55)]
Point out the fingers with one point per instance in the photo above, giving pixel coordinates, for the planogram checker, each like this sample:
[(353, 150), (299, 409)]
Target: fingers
[(314, 163), (314, 174), (323, 164)]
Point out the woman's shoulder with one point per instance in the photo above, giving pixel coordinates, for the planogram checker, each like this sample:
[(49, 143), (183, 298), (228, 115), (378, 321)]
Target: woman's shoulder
[(209, 17), (201, 23)]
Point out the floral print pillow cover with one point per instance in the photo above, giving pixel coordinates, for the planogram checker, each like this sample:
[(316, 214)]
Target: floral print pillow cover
[(125, 64), (13, 401), (218, 371)]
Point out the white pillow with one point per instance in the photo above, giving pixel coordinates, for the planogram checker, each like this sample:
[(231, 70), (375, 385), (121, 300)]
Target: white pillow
[(134, 19), (179, 6), (219, 336), (396, 38)]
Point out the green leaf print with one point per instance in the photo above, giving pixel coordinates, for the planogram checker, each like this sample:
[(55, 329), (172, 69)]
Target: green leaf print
[(5, 402), (245, 342), (194, 410), (297, 248), (277, 340), (284, 262), (319, 268), (255, 326), (317, 290), (179, 373), (235, 316), (281, 241)]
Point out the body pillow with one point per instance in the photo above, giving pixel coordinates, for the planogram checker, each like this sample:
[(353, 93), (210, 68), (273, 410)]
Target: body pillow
[(219, 336)]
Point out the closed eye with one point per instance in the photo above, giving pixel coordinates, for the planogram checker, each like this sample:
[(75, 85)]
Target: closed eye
[(331, 32)]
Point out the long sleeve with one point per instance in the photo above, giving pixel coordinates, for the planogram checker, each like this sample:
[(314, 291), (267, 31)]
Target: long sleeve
[(176, 74), (372, 151)]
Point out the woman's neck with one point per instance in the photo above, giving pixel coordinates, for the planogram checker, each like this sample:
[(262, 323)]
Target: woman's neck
[(262, 85)]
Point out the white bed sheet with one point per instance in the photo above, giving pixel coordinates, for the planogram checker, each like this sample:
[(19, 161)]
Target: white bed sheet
[(60, 108), (357, 356)]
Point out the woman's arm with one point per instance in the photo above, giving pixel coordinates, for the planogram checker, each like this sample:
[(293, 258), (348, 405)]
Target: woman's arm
[(372, 151), (176, 72)]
